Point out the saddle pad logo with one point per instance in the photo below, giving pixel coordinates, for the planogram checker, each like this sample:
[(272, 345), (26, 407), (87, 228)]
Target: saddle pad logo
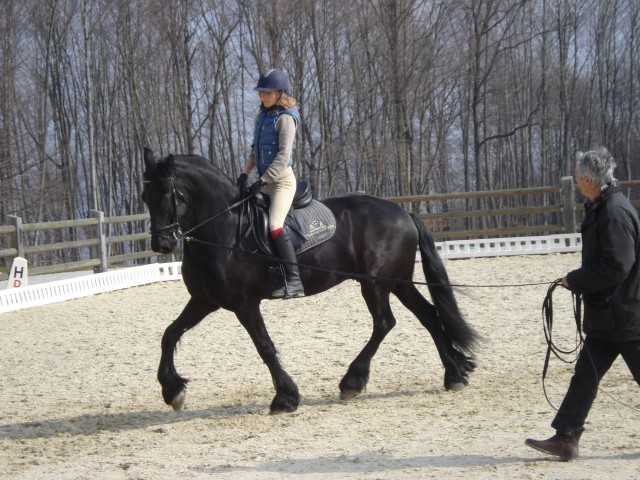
[(316, 226)]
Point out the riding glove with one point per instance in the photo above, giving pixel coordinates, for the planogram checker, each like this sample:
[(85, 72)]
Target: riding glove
[(242, 182), (255, 187)]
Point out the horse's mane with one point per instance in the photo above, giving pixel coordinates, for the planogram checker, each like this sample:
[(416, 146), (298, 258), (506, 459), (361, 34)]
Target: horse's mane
[(201, 169)]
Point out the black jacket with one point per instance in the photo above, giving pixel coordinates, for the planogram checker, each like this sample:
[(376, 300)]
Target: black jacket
[(609, 279)]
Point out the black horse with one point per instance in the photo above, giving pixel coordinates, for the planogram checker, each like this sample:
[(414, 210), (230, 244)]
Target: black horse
[(376, 241)]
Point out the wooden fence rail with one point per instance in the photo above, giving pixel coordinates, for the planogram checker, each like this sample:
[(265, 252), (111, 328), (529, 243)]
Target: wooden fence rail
[(101, 243)]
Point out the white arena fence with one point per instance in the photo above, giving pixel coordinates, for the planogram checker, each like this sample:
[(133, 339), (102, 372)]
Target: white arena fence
[(69, 289), (494, 247), (83, 286)]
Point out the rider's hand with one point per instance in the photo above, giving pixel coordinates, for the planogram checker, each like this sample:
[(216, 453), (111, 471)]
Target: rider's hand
[(255, 187), (242, 182)]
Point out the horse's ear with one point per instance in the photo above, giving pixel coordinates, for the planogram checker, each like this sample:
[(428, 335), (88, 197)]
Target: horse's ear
[(149, 160), (170, 165)]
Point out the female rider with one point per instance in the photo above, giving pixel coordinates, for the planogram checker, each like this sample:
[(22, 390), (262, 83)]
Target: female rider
[(272, 156)]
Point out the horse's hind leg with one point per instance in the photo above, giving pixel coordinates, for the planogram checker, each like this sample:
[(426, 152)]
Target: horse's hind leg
[(457, 365), (287, 397), (173, 385), (376, 296)]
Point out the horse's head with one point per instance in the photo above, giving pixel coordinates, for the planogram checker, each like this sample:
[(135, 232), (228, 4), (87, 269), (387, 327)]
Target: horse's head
[(165, 201)]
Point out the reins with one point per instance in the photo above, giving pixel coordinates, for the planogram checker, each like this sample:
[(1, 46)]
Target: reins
[(547, 322), (353, 275), (219, 214), (547, 319)]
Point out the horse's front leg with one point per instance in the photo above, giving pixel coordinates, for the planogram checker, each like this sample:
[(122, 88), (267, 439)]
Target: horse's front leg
[(287, 397), (173, 385)]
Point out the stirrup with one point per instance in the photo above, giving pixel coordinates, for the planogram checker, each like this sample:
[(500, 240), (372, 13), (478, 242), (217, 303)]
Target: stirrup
[(286, 293)]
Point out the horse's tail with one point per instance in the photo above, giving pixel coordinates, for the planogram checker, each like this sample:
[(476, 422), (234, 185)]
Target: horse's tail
[(453, 323)]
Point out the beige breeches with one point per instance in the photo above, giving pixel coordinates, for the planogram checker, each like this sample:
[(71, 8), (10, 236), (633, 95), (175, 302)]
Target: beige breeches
[(281, 194)]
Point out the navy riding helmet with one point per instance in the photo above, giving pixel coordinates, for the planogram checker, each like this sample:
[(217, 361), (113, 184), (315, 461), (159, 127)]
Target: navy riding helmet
[(273, 80)]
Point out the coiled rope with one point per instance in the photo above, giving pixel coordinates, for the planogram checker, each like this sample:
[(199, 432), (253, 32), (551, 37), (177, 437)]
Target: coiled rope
[(568, 356)]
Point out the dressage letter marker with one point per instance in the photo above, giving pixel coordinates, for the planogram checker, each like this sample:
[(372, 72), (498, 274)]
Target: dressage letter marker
[(18, 273)]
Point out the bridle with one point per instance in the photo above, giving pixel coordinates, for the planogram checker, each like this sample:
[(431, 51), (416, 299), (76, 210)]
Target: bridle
[(174, 229)]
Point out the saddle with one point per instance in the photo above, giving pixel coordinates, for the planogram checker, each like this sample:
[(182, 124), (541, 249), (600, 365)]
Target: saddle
[(308, 222)]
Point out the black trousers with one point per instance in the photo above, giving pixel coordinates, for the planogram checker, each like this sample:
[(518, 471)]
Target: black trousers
[(594, 361)]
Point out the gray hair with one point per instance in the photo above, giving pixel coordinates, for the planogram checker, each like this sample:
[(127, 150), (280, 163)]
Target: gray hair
[(598, 164)]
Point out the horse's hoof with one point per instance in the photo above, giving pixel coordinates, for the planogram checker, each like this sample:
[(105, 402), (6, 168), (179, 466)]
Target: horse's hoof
[(284, 403), (348, 394), (280, 411), (456, 386), (178, 401)]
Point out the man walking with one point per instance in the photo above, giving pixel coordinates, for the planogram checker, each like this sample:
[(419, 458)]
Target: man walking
[(609, 282)]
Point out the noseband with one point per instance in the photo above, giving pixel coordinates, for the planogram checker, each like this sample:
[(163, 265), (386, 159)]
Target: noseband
[(174, 228)]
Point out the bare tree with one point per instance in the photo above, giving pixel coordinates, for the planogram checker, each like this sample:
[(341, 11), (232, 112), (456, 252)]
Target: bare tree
[(396, 97)]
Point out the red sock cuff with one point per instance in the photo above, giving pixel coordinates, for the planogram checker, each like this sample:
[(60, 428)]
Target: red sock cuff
[(276, 232)]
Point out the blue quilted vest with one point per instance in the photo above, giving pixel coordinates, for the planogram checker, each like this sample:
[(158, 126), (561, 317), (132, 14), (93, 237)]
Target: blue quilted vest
[(265, 137)]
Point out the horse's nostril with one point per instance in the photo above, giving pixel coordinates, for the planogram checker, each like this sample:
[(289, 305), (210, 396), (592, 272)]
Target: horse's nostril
[(162, 244)]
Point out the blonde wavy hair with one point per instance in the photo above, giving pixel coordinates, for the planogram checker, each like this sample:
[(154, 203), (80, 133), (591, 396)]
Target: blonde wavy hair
[(286, 101)]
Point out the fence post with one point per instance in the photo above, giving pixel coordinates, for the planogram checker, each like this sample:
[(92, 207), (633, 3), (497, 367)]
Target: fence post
[(568, 205), (16, 242), (102, 247)]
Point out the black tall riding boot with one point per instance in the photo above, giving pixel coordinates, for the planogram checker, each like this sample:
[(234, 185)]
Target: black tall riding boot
[(293, 285)]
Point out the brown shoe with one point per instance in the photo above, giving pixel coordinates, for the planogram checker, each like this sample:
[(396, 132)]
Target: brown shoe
[(560, 445)]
